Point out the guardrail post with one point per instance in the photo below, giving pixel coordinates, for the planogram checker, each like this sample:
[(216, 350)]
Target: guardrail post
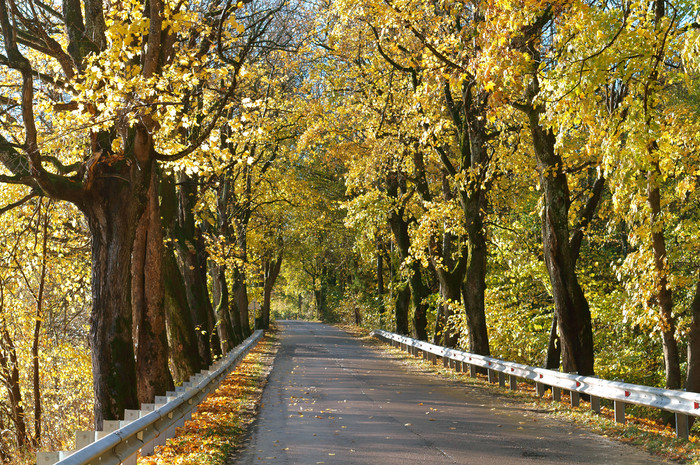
[(459, 366), (445, 362), (472, 370), (575, 398), (556, 393), (46, 458), (513, 383), (595, 404), (501, 379), (492, 376), (619, 411), (540, 389), (681, 426)]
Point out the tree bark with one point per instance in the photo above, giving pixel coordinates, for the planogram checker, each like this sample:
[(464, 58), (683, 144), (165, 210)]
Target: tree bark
[(112, 217), (227, 334), (664, 297), (419, 291), (380, 272), (572, 311), (271, 272), (474, 289), (152, 370), (189, 245), (37, 331), (10, 371), (402, 301), (692, 382), (553, 359), (240, 292), (184, 358)]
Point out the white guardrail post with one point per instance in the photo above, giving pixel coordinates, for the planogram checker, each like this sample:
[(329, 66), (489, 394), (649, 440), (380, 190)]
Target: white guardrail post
[(683, 404), (141, 430)]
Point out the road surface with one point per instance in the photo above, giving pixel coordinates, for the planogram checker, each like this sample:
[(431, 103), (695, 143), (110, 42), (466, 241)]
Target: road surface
[(331, 400)]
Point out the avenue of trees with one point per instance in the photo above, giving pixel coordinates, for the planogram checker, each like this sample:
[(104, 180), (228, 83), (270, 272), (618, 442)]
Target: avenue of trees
[(515, 177)]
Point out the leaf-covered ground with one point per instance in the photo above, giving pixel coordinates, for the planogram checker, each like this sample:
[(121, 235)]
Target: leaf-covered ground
[(220, 422)]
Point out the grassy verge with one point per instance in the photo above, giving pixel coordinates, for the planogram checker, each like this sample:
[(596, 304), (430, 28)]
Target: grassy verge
[(650, 434), (220, 422)]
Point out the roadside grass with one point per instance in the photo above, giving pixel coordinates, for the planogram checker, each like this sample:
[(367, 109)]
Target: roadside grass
[(648, 432), (220, 423)]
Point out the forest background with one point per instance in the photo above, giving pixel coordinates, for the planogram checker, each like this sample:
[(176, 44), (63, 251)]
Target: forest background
[(514, 177)]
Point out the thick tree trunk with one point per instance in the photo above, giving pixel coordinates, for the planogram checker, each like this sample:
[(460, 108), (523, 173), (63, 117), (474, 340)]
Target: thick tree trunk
[(113, 214), (573, 313), (189, 244), (473, 292), (474, 204), (182, 339), (152, 370)]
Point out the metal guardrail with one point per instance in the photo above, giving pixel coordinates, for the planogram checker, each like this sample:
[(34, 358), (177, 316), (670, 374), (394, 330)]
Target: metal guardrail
[(141, 430), (683, 404)]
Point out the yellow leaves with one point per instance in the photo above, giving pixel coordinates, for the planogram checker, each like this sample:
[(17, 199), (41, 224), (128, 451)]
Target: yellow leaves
[(220, 421)]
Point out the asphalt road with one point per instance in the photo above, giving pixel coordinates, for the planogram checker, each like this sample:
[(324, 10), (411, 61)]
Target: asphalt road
[(332, 400)]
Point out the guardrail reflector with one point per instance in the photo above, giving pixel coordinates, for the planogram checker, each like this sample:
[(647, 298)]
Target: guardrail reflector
[(627, 393)]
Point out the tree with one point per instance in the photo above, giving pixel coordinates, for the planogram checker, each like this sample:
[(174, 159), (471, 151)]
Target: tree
[(124, 98)]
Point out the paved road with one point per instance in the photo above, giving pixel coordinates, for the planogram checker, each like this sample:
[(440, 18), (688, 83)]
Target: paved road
[(331, 400)]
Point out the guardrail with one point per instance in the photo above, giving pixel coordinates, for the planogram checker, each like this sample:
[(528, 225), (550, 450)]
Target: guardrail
[(142, 430), (683, 404)]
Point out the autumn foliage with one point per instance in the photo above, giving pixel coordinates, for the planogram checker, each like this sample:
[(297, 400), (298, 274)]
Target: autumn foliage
[(221, 420)]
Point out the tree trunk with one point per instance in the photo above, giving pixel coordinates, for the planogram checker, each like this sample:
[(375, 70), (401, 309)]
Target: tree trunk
[(152, 370), (572, 311), (240, 292), (189, 243), (473, 292), (10, 369), (37, 331), (227, 334), (664, 297), (402, 300), (553, 347), (112, 216), (692, 383), (182, 339), (419, 291), (451, 292), (474, 204), (272, 270), (380, 273)]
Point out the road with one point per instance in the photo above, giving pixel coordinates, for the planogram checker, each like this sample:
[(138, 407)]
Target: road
[(332, 400)]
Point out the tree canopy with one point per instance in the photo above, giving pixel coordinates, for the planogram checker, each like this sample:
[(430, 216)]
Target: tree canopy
[(514, 177)]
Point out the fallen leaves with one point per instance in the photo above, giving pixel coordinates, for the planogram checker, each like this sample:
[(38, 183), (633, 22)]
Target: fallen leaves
[(220, 421)]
